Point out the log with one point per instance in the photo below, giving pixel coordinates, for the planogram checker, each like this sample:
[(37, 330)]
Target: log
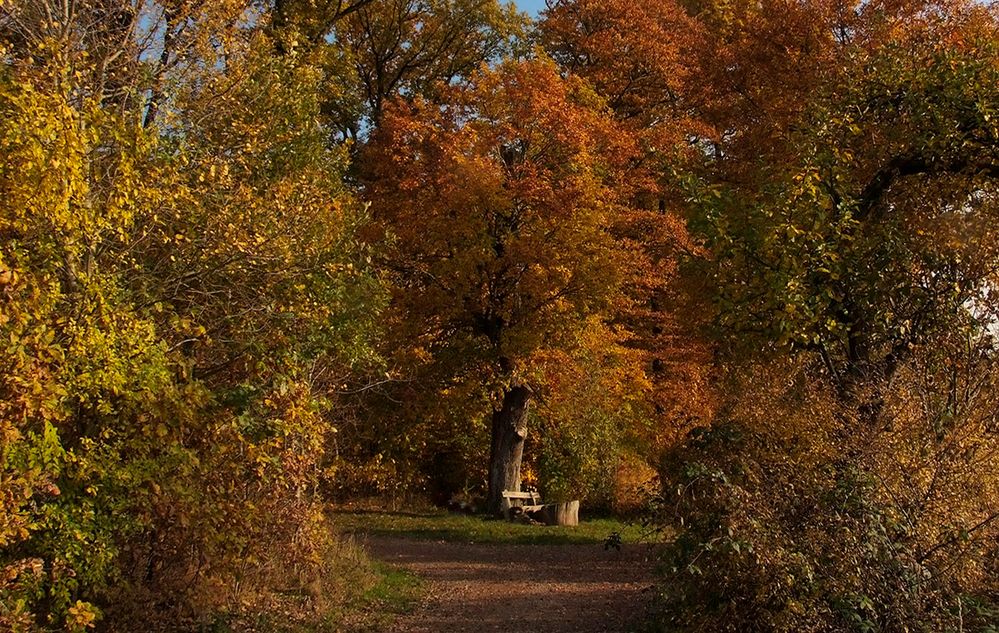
[(562, 513)]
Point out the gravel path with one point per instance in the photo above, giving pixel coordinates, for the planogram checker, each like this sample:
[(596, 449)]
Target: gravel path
[(521, 588)]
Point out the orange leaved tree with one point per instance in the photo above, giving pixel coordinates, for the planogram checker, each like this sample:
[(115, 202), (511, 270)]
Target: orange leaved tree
[(496, 212)]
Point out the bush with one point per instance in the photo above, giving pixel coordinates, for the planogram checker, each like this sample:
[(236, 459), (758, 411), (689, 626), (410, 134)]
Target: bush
[(785, 517), (174, 318)]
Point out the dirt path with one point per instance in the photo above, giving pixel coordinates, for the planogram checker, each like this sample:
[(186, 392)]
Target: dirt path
[(521, 588)]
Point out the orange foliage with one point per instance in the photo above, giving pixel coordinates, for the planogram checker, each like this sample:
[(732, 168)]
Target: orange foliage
[(496, 211), (642, 57), (500, 218), (759, 63), (638, 55)]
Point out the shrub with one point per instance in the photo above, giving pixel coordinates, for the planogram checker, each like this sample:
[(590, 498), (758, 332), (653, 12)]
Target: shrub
[(177, 306), (785, 517)]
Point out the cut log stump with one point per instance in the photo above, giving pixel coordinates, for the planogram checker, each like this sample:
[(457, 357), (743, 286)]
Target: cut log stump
[(561, 513)]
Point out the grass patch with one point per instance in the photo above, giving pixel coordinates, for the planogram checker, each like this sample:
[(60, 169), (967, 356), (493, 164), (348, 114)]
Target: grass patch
[(396, 592), (463, 528), (373, 597)]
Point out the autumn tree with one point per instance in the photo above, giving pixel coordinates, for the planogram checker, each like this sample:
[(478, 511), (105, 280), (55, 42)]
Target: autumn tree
[(411, 47), (179, 293), (642, 57), (307, 24), (639, 55), (853, 256), (496, 209), (847, 253)]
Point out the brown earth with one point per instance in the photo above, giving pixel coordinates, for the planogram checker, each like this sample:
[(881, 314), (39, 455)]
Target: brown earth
[(522, 588)]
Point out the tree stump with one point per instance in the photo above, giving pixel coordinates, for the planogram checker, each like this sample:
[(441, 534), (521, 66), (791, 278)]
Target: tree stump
[(561, 513)]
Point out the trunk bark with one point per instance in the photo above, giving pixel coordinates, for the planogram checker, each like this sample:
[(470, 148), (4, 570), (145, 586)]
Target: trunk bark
[(508, 434)]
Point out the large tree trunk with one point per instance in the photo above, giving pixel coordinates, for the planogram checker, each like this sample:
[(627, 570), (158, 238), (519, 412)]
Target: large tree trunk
[(508, 434)]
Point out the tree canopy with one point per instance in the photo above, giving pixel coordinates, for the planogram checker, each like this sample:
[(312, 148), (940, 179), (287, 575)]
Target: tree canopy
[(726, 266)]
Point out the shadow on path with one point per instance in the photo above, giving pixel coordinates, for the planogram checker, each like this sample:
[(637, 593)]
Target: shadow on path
[(522, 588)]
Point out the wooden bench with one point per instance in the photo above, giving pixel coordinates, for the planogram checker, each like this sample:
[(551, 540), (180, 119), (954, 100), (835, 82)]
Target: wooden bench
[(527, 501), (548, 513)]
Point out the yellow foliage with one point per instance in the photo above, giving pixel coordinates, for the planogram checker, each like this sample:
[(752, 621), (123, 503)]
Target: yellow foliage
[(178, 296)]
